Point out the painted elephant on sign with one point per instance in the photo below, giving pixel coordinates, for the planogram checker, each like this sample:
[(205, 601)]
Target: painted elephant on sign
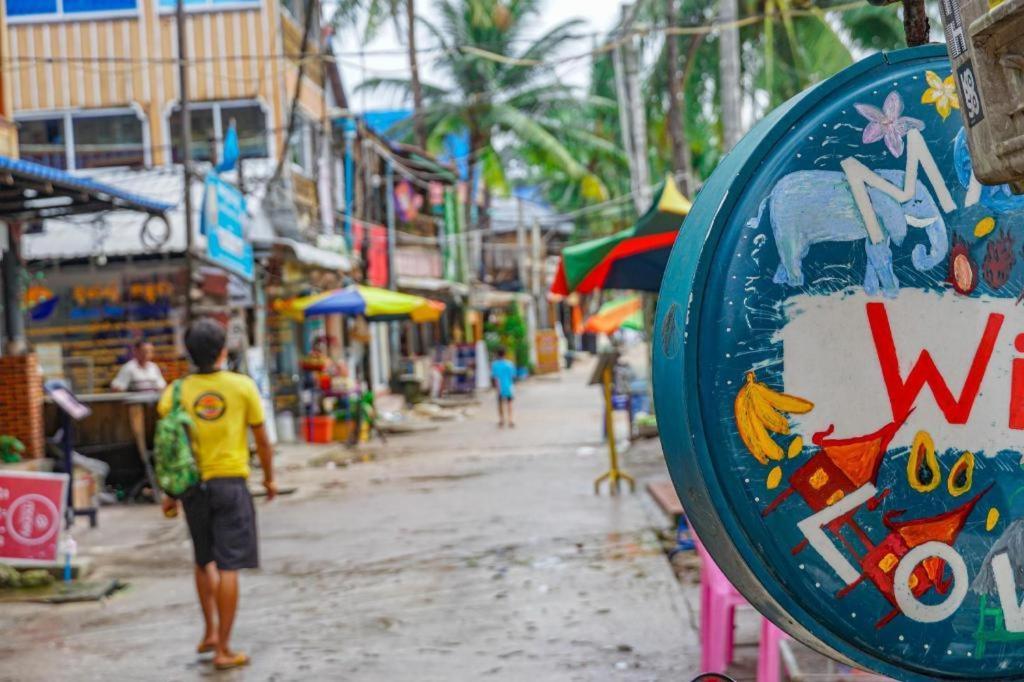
[(816, 206)]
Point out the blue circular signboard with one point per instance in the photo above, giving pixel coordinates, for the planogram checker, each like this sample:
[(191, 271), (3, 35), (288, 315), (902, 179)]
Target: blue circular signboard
[(839, 377)]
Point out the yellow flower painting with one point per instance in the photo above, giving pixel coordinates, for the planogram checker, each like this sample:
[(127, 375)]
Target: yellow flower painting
[(941, 93)]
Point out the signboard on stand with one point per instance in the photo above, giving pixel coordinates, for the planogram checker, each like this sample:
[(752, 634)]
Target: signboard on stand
[(222, 221), (256, 367), (839, 377), (546, 341), (31, 513)]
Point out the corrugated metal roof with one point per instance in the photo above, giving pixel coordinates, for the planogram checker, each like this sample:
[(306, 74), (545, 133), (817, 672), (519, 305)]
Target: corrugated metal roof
[(122, 233), (125, 234), (119, 198)]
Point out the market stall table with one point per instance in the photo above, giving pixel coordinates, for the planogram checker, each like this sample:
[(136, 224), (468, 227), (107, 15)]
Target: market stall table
[(117, 432)]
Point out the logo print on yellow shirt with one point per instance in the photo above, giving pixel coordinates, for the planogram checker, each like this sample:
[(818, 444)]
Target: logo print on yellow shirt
[(209, 406)]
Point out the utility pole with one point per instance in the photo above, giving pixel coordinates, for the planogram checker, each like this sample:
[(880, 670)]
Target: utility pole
[(521, 243), (389, 203), (464, 267), (10, 275), (729, 73), (394, 332), (350, 177), (419, 129), (537, 267), (186, 151)]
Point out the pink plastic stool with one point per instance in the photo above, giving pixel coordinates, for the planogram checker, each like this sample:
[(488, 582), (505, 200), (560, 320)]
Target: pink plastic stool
[(718, 602), (769, 660)]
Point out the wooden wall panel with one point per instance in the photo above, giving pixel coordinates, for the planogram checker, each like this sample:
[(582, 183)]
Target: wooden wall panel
[(80, 75), (239, 55)]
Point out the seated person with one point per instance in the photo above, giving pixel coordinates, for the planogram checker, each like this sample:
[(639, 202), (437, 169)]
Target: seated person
[(140, 373)]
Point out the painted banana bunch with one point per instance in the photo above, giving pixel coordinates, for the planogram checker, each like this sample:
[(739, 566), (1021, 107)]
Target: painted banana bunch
[(761, 411)]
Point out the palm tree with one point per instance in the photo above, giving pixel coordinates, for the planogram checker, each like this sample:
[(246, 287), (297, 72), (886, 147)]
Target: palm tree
[(797, 45), (729, 68), (372, 14), (792, 47), (806, 46), (510, 103)]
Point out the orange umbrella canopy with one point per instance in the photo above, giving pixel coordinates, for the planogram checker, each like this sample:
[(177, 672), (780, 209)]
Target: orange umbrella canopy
[(623, 312)]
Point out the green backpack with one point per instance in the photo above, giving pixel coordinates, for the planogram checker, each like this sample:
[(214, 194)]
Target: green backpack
[(176, 469)]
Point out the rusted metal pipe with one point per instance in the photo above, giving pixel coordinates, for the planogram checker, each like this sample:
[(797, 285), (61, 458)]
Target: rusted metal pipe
[(915, 23)]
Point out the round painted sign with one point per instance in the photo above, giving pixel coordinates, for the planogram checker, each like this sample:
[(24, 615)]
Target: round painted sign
[(839, 377)]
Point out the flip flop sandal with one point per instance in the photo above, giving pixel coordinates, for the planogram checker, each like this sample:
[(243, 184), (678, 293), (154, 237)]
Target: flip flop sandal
[(236, 662), (206, 648)]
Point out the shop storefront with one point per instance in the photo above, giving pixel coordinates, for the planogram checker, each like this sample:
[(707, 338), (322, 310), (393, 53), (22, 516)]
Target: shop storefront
[(288, 270), (82, 321)]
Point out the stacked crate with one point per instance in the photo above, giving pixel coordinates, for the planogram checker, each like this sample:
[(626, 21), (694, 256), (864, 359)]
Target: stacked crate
[(21, 402)]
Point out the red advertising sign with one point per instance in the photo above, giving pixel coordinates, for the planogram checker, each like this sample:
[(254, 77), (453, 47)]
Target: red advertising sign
[(371, 243), (31, 512)]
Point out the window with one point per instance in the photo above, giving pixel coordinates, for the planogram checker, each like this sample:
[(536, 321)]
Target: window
[(76, 140), (300, 144), (43, 8), (42, 140), (171, 5), (103, 141), (211, 120), (294, 8), (251, 124), (203, 134)]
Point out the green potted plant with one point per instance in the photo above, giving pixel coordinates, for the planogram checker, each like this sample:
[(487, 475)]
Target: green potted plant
[(344, 420), (11, 449)]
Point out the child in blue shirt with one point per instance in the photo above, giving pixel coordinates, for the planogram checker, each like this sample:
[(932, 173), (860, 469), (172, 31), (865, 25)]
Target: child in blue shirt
[(503, 375)]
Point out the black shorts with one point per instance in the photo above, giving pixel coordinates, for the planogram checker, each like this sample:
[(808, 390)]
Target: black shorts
[(222, 520), (505, 398)]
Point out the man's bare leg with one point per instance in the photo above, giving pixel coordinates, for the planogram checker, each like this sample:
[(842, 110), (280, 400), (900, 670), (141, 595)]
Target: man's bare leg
[(501, 412), (508, 408), (227, 605), (206, 587)]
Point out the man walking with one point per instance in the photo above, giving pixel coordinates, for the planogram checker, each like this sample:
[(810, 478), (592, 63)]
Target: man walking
[(503, 374), (221, 518)]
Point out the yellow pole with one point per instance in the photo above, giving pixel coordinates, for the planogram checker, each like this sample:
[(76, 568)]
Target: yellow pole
[(614, 474), (609, 417)]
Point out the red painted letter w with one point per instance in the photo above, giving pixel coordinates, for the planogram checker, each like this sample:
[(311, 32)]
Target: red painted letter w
[(902, 394)]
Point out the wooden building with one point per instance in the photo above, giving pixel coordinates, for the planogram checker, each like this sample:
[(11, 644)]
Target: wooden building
[(94, 83)]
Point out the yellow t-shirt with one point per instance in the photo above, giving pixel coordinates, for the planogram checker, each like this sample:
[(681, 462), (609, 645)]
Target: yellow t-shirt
[(223, 405)]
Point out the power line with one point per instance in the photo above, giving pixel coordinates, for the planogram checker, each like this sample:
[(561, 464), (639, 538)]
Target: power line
[(474, 50), (294, 109)]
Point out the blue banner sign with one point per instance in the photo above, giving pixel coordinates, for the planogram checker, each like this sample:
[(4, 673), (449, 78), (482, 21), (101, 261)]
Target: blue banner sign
[(839, 377), (222, 222)]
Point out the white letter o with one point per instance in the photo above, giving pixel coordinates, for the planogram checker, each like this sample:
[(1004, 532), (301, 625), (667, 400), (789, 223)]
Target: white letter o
[(905, 599)]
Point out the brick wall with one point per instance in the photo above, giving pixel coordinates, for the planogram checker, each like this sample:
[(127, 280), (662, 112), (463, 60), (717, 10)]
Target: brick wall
[(21, 402)]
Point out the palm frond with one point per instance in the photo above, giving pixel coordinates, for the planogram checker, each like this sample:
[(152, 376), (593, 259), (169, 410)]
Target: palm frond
[(530, 131), (402, 86)]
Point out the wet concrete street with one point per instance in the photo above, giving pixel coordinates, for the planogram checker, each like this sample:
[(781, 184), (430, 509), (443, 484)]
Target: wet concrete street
[(462, 553)]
